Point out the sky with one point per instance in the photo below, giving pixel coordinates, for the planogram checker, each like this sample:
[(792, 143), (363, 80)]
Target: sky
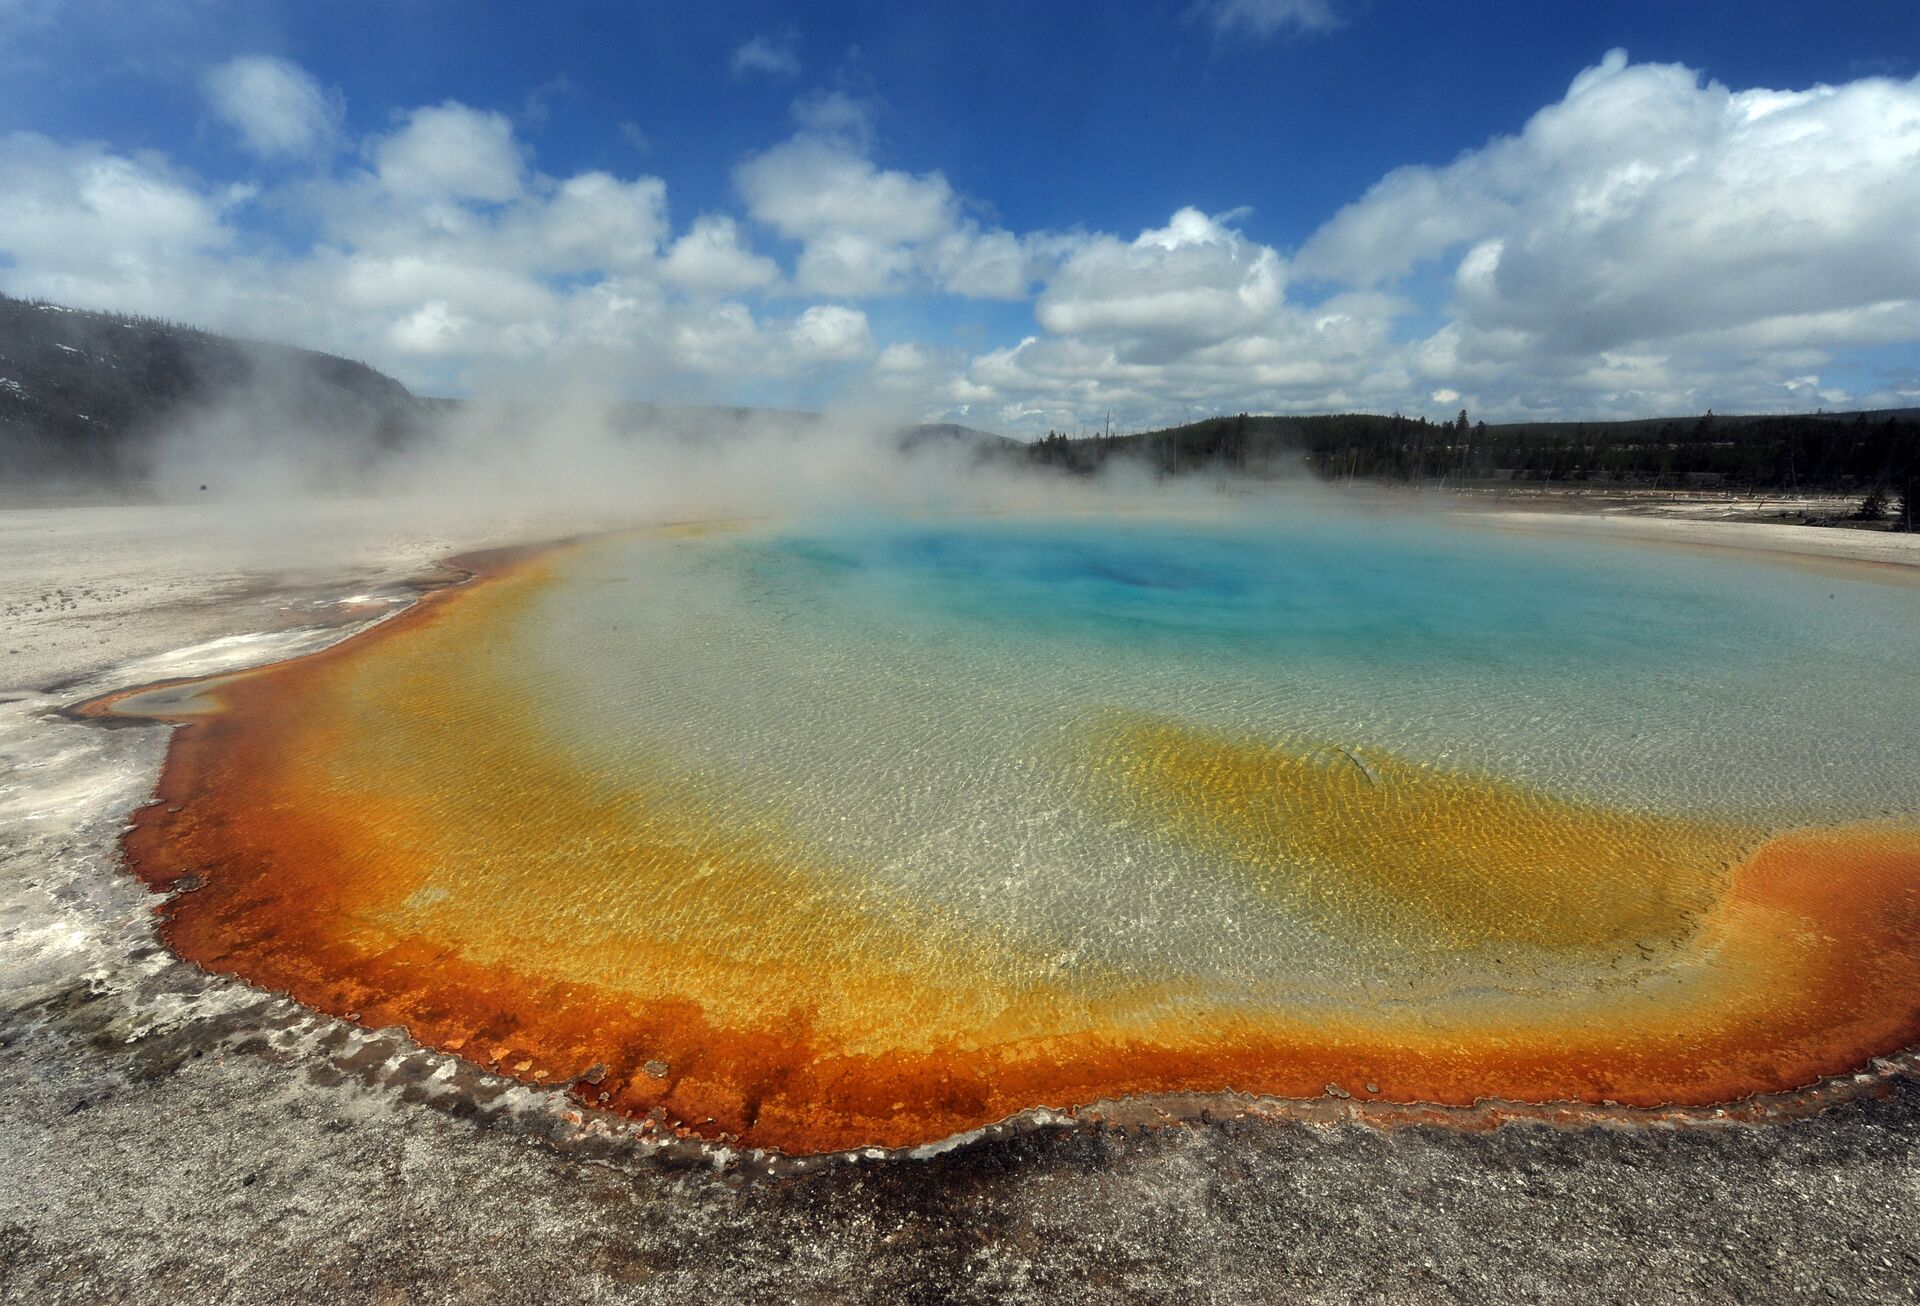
[(1019, 216)]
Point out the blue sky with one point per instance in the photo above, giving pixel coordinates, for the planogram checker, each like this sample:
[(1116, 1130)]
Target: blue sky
[(1019, 215)]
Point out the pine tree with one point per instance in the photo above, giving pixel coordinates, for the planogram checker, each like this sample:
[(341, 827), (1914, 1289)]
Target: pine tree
[(1872, 508)]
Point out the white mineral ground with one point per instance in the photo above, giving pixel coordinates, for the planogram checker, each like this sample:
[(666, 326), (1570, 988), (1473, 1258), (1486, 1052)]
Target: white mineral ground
[(174, 1136)]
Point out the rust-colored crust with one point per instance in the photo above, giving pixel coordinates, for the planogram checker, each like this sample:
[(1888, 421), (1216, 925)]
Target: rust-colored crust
[(1814, 949)]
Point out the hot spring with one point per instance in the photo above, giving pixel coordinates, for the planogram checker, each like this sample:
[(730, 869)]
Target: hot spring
[(823, 835)]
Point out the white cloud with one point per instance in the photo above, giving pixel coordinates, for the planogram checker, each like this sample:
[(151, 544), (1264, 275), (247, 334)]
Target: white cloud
[(837, 116), (852, 264), (1185, 319), (719, 340), (595, 221), (276, 108), (433, 328), (777, 55), (423, 267), (988, 264), (1264, 19), (1408, 216), (1195, 281), (450, 151), (406, 277), (1648, 206), (1651, 242), (1334, 356), (831, 333), (814, 185), (907, 358), (711, 258), (466, 255), (84, 224), (866, 230)]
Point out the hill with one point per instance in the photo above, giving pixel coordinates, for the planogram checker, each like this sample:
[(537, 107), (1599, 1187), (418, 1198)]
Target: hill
[(99, 398), (951, 435), (85, 396)]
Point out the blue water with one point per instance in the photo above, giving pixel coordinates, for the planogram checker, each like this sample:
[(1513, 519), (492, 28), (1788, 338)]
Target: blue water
[(917, 698), (774, 659), (1343, 590)]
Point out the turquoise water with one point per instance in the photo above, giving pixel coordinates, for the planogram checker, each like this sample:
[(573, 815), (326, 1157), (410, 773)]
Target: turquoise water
[(1319, 589), (1660, 677), (906, 696)]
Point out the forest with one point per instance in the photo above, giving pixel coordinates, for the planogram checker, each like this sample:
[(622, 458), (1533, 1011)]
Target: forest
[(1827, 452)]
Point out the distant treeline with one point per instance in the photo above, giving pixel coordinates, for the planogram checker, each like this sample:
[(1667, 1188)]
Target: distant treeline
[(1842, 452)]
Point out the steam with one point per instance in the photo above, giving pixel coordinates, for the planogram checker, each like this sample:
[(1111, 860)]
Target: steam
[(578, 458)]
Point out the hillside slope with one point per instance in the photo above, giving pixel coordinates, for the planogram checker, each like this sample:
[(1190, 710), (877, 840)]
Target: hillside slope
[(85, 396)]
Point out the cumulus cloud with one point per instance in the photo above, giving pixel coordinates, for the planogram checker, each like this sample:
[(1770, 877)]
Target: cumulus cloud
[(1185, 319), (450, 151), (831, 333), (1648, 205), (1191, 282), (713, 258), (1265, 19), (854, 264), (274, 106), (447, 264), (777, 55), (992, 264), (1652, 241), (866, 230), (820, 184), (447, 259), (85, 223), (433, 328), (594, 222), (1334, 356), (67, 203)]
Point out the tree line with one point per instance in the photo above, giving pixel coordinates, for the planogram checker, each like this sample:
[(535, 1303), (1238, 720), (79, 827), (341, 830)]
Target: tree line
[(1814, 452)]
